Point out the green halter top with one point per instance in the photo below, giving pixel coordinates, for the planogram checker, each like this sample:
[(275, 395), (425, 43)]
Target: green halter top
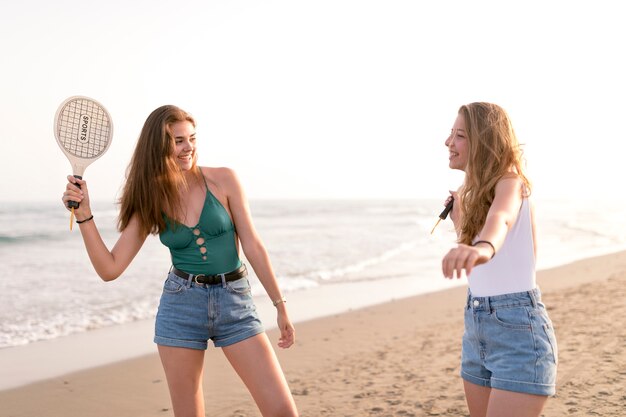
[(207, 248)]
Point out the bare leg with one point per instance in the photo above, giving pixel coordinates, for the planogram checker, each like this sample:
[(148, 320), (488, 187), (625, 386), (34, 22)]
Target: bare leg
[(256, 364), (183, 369), (477, 398), (515, 404)]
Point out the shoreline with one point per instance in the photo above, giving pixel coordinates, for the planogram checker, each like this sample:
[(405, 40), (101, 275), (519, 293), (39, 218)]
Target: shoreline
[(27, 364), (391, 356)]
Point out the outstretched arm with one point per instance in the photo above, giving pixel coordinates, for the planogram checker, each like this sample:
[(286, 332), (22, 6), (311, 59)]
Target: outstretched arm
[(500, 218), (108, 264)]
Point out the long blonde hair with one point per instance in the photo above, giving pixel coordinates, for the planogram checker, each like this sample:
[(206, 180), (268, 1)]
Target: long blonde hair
[(494, 152), (153, 178)]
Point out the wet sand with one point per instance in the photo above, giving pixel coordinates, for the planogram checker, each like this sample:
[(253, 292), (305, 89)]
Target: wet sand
[(399, 358)]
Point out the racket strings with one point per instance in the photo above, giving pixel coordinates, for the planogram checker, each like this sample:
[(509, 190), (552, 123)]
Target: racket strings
[(70, 124)]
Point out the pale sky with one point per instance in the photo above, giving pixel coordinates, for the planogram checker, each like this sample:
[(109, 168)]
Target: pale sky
[(318, 99)]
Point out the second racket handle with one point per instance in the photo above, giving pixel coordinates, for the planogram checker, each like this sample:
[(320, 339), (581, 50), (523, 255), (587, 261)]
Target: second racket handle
[(74, 204), (446, 210)]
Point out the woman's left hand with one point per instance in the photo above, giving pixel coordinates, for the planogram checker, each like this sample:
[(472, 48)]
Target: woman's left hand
[(287, 331), (464, 257)]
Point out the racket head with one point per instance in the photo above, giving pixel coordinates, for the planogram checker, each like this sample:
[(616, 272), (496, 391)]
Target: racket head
[(83, 129)]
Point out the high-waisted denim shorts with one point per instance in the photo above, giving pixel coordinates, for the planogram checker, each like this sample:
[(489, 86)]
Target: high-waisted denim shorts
[(190, 314), (509, 343)]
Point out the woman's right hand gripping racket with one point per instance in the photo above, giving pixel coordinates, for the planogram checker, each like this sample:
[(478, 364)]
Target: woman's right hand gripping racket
[(83, 130)]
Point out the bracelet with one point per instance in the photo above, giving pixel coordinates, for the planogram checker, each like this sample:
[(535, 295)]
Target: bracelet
[(86, 220), (487, 242), (280, 300)]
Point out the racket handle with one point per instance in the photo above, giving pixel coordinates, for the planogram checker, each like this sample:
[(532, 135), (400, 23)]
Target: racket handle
[(74, 204), (446, 210)]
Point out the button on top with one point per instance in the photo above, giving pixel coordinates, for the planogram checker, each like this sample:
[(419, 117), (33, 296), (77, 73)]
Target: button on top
[(476, 303)]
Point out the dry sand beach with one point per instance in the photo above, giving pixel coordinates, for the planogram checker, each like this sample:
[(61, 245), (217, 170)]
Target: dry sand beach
[(395, 359)]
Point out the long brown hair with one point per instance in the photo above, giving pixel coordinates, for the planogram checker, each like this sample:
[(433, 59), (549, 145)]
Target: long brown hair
[(153, 178), (494, 152)]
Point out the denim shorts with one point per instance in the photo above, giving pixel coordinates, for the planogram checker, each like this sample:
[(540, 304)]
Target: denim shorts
[(190, 314), (509, 343)]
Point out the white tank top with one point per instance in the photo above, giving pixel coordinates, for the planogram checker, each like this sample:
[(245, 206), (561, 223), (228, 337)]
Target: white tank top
[(513, 267)]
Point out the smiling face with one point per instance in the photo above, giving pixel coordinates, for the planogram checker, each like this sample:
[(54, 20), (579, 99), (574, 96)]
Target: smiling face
[(184, 134), (458, 145)]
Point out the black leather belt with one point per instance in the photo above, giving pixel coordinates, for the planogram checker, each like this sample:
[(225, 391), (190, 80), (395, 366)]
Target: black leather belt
[(213, 279)]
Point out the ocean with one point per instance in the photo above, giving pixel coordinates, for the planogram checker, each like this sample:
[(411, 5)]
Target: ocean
[(50, 290)]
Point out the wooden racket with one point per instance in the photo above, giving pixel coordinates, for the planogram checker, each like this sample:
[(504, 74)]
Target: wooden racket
[(444, 214), (83, 129)]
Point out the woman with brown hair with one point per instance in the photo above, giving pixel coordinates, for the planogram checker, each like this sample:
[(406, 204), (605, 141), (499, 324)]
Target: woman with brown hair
[(509, 353), (201, 214)]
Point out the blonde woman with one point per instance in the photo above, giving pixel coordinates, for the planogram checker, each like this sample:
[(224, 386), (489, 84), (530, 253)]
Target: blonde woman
[(509, 353), (201, 214)]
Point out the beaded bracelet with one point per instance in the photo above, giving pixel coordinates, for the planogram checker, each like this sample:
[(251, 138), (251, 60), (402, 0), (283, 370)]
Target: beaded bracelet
[(280, 300), (487, 242), (86, 220)]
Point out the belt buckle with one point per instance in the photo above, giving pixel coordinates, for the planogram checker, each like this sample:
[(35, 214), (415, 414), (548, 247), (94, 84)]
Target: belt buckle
[(195, 278)]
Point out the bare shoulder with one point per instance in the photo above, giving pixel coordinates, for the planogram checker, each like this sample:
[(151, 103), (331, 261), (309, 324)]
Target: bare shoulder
[(509, 182), (508, 196), (219, 173), (221, 177)]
